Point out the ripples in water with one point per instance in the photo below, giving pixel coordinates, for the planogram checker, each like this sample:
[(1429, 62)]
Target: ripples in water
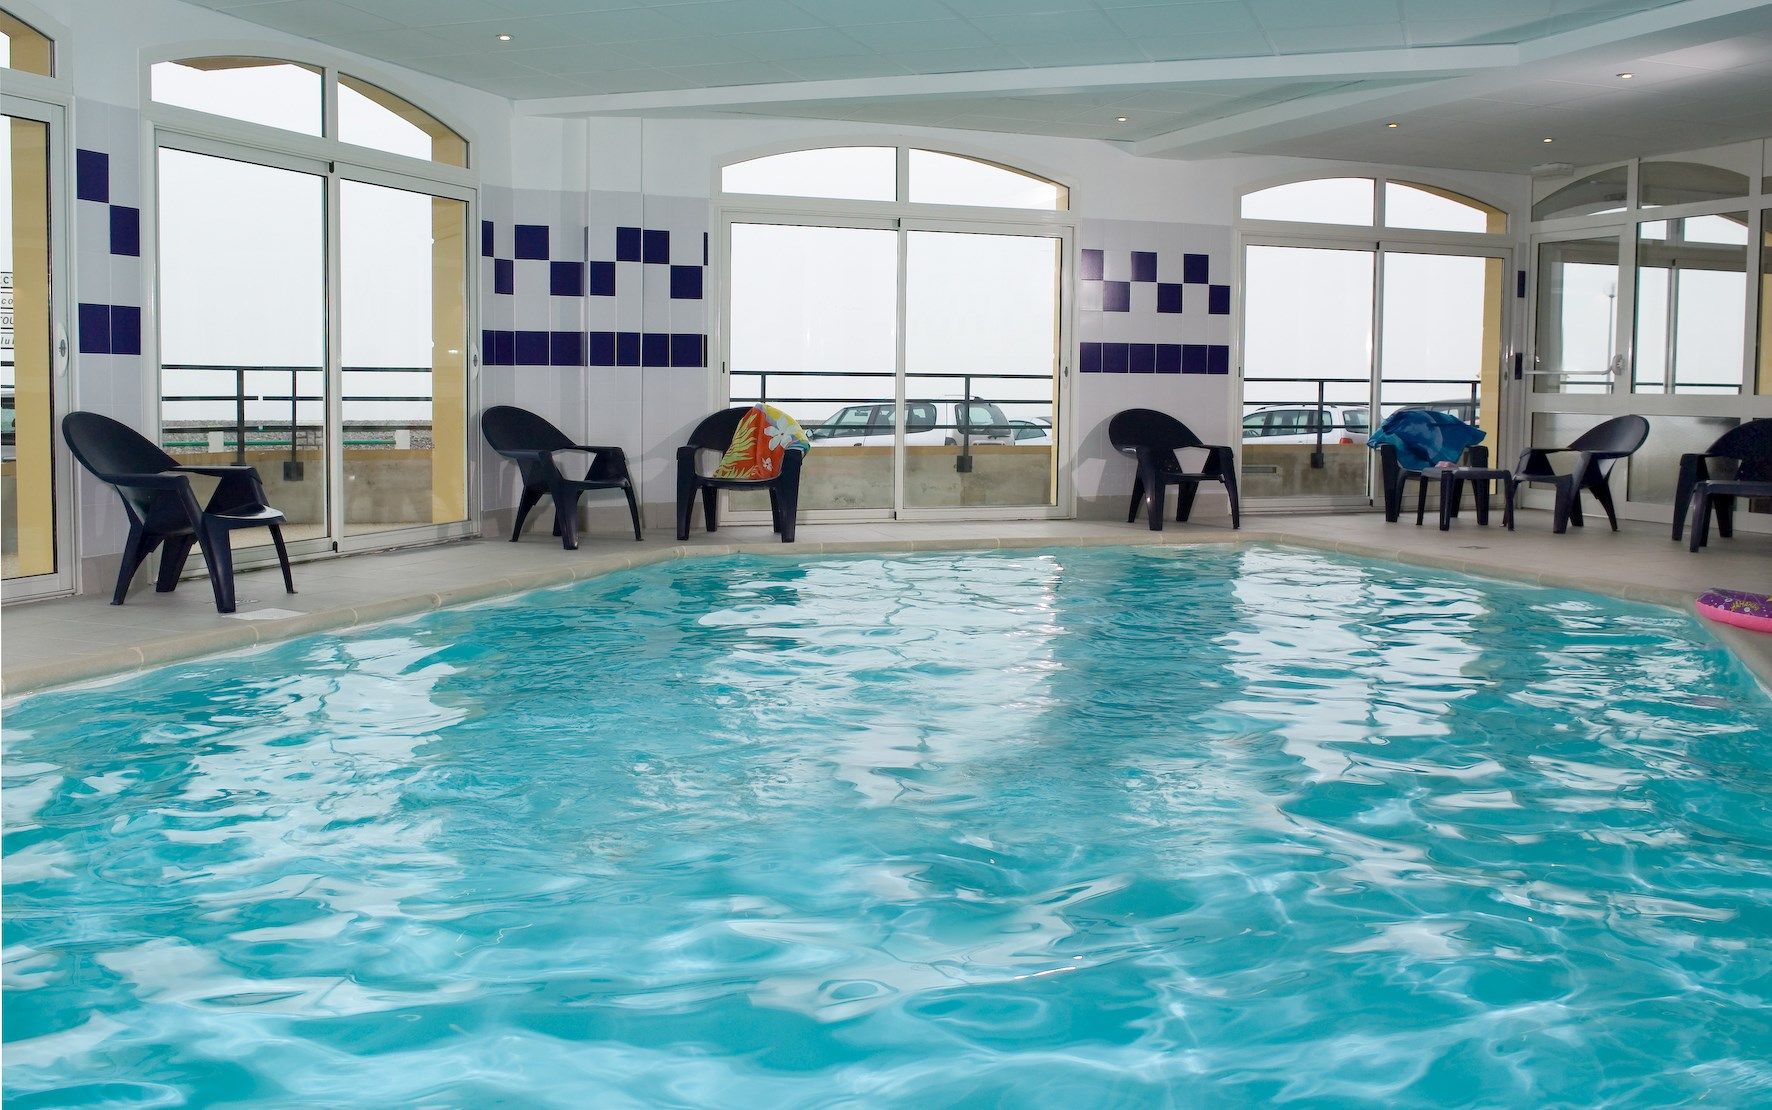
[(1063, 828)]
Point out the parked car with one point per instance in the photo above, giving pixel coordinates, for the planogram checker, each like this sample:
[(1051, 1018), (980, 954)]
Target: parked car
[(1299, 424), (939, 422), (1032, 433)]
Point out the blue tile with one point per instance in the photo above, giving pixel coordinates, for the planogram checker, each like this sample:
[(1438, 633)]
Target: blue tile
[(601, 279), (1089, 358), (1168, 297), (1143, 358), (627, 348), (566, 279), (506, 348), (126, 330), (1196, 269), (1092, 265), (566, 348), (685, 283), (532, 241), (1218, 359), (1193, 358), (504, 276), (1219, 303), (1116, 296), (92, 175), (531, 348), (1168, 358), (627, 244), (489, 347), (95, 329), (1144, 266), (602, 348), (658, 246), (126, 231), (686, 349), (1114, 358), (486, 239), (655, 349)]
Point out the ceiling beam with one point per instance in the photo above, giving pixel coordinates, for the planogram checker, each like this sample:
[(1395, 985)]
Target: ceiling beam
[(1707, 20), (1423, 62)]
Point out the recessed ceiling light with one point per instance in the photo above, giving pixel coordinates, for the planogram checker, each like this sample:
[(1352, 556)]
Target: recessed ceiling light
[(1626, 76), (1120, 119), (1550, 140), (504, 38), (1391, 125)]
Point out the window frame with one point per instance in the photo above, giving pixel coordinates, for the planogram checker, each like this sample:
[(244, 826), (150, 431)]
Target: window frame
[(899, 207), (1378, 228)]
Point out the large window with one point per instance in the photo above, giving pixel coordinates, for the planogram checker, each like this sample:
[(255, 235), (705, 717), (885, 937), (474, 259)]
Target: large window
[(1343, 327), (314, 312), (923, 356), (1647, 303)]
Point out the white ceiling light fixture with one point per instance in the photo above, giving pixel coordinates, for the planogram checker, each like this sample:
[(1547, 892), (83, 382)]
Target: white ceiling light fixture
[(1392, 126), (504, 38), (1626, 76), (1120, 119), (1549, 140)]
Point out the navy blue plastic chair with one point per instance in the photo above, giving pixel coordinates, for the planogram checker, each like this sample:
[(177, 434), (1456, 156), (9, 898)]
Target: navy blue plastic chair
[(531, 442), (1596, 451), (1152, 438), (1749, 448), (163, 510), (715, 434)]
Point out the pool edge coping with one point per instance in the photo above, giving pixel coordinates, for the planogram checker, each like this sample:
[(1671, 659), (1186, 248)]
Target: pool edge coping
[(1753, 652)]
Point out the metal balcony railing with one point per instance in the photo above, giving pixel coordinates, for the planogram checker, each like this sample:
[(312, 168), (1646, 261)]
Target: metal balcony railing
[(174, 434), (1320, 403)]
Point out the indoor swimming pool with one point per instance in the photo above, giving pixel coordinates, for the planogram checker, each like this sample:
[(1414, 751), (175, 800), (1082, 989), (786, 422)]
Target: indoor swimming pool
[(1060, 827)]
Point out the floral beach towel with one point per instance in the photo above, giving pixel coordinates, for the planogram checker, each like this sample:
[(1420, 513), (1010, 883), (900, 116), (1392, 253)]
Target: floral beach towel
[(764, 436)]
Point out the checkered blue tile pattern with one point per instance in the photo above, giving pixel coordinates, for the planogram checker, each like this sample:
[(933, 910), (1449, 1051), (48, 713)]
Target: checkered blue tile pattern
[(107, 222), (1147, 300), (596, 282)]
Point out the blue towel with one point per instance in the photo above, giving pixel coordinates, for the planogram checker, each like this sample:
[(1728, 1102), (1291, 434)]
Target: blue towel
[(1424, 437)]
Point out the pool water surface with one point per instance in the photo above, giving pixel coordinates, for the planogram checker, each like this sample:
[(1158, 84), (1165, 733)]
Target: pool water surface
[(1106, 827)]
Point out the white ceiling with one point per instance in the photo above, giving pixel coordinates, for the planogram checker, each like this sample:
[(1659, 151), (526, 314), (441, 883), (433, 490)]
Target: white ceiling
[(1472, 83)]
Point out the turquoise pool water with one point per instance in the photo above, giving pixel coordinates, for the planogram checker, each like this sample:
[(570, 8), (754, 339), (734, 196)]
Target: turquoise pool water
[(1063, 828)]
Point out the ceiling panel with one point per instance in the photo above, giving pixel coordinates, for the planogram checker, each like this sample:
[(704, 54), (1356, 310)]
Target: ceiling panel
[(1691, 83)]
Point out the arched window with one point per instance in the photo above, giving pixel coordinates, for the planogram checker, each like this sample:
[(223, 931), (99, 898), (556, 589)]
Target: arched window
[(1593, 195), (291, 96), (871, 173), (1355, 202), (24, 48), (1660, 184)]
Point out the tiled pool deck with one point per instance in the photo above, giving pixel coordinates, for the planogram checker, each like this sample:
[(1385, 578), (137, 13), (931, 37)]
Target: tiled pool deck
[(74, 639)]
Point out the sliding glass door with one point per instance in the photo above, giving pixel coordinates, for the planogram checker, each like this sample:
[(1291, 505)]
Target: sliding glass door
[(1337, 337), (316, 326), (242, 256), (923, 358), (33, 548)]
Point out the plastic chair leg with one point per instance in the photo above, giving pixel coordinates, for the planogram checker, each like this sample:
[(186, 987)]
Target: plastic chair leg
[(172, 562), (1700, 519), (1420, 501), (218, 556), (1184, 501), (566, 519), (789, 500), (710, 507), (1480, 495), (136, 550), (1602, 491), (1230, 489), (1723, 506), (633, 510), (282, 557), (1137, 498), (1449, 492), (1565, 495), (524, 504)]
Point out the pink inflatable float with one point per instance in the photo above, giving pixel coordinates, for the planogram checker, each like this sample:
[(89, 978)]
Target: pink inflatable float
[(1743, 610)]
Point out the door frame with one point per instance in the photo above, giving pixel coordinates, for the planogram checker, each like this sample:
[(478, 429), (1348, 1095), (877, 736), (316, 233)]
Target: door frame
[(1378, 244), (1064, 231), (52, 108)]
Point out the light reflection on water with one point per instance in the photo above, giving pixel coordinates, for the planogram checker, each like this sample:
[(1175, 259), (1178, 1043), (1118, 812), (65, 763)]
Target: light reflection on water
[(1047, 828)]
